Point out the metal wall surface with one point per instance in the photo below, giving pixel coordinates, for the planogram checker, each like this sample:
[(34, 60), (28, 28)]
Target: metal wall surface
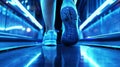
[(108, 24), (13, 24)]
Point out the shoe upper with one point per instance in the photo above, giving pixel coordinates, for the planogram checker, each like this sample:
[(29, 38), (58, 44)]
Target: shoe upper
[(50, 37)]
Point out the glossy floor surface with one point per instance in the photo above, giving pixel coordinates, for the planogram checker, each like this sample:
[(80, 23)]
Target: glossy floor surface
[(61, 56)]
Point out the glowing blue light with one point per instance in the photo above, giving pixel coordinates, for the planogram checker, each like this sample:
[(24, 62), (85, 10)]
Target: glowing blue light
[(83, 53), (4, 11), (22, 2), (96, 12), (2, 28), (33, 59), (88, 37), (28, 7), (11, 2), (75, 1), (28, 29), (27, 13), (15, 27), (26, 1), (104, 35), (111, 1)]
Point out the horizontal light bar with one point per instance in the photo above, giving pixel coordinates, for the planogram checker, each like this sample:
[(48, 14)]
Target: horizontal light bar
[(1, 28), (114, 34), (97, 12), (12, 28), (15, 27), (27, 13)]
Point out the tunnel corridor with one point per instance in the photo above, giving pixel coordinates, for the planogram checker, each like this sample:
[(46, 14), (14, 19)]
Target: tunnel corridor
[(22, 29)]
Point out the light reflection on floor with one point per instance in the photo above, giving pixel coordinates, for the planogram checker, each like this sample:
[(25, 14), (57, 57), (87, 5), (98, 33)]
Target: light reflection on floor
[(61, 56)]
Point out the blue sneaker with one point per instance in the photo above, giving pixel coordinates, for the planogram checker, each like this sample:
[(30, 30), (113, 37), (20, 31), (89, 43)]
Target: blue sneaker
[(69, 18), (50, 38)]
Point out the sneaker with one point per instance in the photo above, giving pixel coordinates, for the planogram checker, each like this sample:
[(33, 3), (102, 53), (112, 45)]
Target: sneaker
[(50, 38), (69, 18)]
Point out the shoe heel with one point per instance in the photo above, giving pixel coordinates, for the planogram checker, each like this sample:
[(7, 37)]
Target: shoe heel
[(69, 18)]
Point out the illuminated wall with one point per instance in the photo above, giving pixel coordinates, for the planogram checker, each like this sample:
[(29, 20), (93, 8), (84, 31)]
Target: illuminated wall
[(108, 23), (12, 23), (87, 7)]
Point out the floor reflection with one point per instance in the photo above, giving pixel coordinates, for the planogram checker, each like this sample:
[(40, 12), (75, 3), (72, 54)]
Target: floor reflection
[(77, 56), (100, 56), (71, 56), (61, 56), (49, 53)]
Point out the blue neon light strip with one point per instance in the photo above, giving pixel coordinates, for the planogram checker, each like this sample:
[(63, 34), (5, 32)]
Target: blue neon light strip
[(15, 27), (26, 13), (97, 12), (32, 60), (12, 27)]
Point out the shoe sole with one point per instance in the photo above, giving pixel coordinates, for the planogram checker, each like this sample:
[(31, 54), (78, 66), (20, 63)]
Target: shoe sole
[(49, 42), (69, 19)]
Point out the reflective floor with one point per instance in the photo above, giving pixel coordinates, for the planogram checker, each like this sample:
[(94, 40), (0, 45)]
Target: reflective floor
[(61, 56)]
